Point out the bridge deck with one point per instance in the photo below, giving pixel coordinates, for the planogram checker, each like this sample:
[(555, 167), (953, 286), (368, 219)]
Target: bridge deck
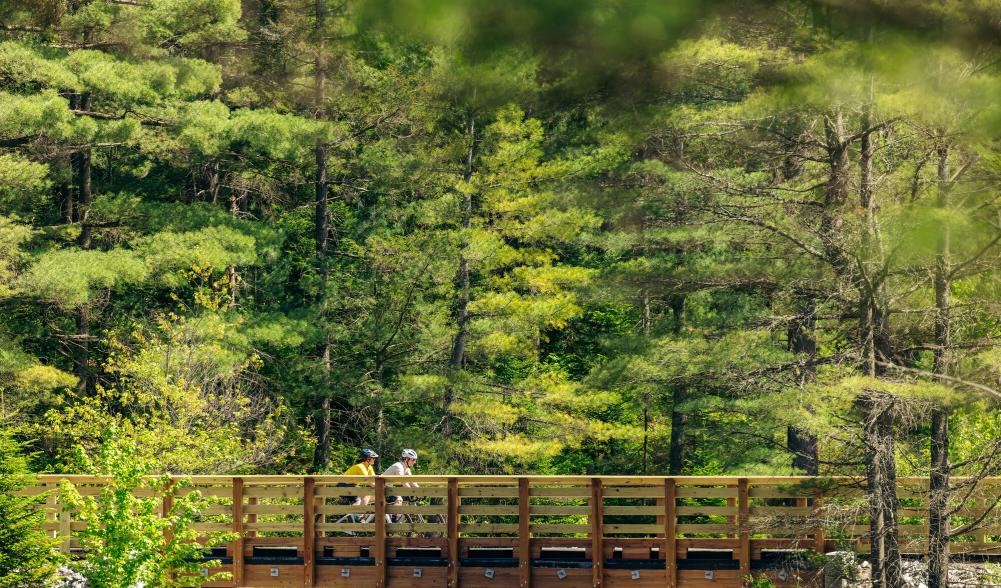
[(537, 531)]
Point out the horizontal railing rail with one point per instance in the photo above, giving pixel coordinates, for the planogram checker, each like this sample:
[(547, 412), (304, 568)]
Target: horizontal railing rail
[(308, 525)]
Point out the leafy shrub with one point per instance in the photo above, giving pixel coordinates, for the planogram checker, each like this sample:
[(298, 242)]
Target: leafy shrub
[(126, 541), (760, 581)]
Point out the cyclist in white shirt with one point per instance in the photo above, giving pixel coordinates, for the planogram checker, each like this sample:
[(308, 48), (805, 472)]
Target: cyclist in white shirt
[(408, 459)]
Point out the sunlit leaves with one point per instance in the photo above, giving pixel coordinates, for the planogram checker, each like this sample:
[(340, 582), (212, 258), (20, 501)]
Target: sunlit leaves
[(22, 66), (67, 277)]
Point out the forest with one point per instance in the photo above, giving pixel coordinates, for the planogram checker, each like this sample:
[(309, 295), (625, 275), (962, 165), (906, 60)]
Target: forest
[(688, 237)]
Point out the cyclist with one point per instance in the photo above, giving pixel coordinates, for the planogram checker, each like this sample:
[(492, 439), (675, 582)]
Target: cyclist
[(408, 459), (363, 467)]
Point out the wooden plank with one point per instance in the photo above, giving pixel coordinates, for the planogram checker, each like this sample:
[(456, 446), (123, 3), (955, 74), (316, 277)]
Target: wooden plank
[(493, 528), (453, 532), (564, 492), (782, 511), (670, 533), (700, 528), (286, 492), (597, 535), (608, 480), (524, 534), (561, 528), (380, 532), (416, 528), (650, 511), (309, 532), (558, 510), (277, 527), (346, 527), (489, 509), (634, 529), (488, 492), (743, 524), (238, 568), (273, 509), (634, 492), (421, 509), (697, 492), (687, 511)]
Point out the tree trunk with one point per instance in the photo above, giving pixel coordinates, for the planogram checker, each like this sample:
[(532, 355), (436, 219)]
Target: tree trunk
[(232, 275), (881, 476), (677, 304), (802, 443), (84, 185), (938, 502), (322, 456), (836, 194), (456, 359), (679, 419), (678, 438), (646, 326), (86, 197), (66, 191), (83, 349)]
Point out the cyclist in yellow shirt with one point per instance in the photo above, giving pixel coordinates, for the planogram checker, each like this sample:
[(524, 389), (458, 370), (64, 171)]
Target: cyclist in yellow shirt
[(363, 467)]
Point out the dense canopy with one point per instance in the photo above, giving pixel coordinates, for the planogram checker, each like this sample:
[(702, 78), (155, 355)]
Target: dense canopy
[(695, 237)]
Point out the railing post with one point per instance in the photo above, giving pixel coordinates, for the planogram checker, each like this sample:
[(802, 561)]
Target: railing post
[(980, 505), (597, 534), (65, 529), (524, 534), (52, 514), (380, 532), (819, 535), (743, 528), (453, 532), (238, 571), (309, 531), (251, 517), (670, 532), (731, 520), (166, 506)]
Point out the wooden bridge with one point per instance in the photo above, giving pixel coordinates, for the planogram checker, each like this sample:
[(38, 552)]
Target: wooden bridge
[(537, 531)]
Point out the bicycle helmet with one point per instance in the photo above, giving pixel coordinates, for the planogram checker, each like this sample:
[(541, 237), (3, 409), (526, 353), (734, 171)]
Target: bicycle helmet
[(368, 454), (409, 454)]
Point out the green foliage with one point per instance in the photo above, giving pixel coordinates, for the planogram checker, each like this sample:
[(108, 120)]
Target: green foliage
[(12, 236), (654, 242), (21, 181), (126, 540), (759, 581), (68, 277), (192, 414), (28, 558)]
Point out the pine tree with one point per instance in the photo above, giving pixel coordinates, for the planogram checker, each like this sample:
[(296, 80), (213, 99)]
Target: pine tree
[(27, 555)]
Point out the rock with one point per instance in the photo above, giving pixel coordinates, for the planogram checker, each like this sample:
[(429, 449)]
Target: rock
[(67, 578), (840, 569)]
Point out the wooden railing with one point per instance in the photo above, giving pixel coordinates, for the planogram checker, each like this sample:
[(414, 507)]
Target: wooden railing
[(539, 530)]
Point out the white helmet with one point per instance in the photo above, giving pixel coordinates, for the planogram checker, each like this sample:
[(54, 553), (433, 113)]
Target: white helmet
[(409, 454)]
